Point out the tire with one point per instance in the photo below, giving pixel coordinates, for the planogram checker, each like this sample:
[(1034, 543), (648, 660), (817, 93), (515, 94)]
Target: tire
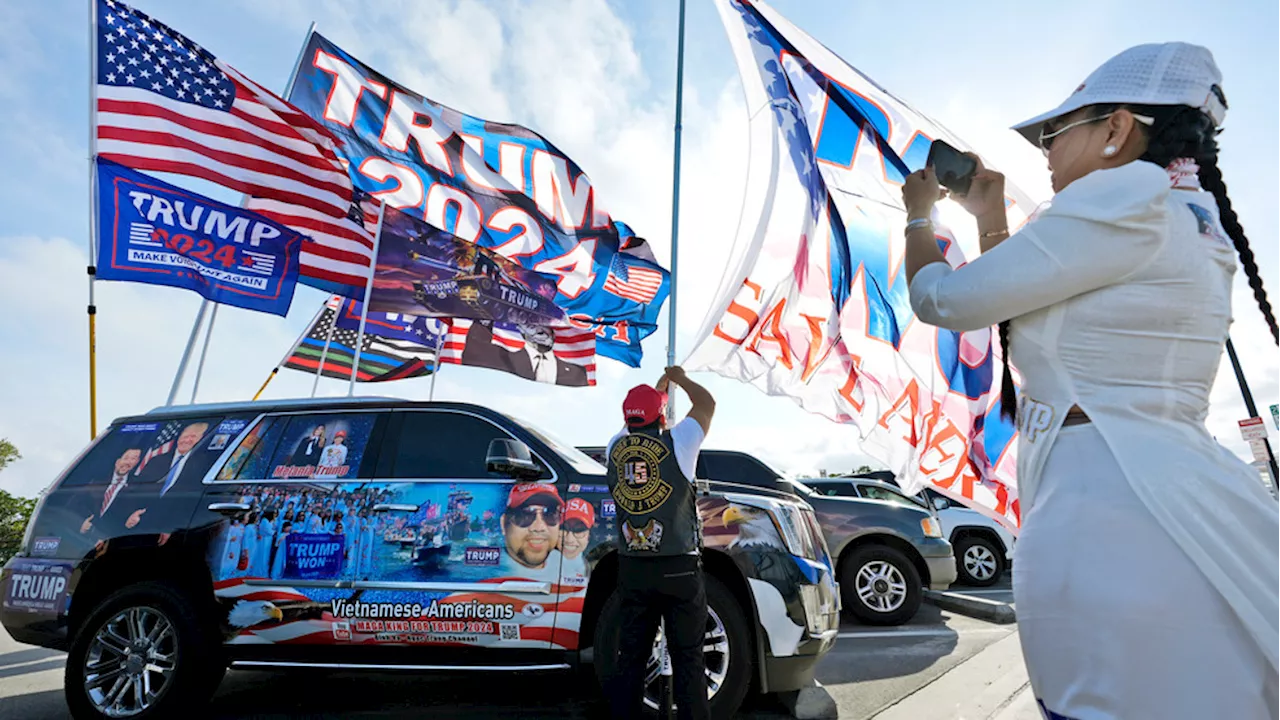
[(890, 584), (194, 660), (979, 561), (730, 665)]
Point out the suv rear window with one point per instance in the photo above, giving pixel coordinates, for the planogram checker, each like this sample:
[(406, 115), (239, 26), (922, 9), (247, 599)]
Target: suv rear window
[(159, 451)]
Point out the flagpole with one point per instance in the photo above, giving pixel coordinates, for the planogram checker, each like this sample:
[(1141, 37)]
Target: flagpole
[(270, 376), (204, 351), (92, 270), (436, 370), (368, 290), (292, 349), (675, 208), (328, 338), (244, 199), (1249, 404), (186, 355)]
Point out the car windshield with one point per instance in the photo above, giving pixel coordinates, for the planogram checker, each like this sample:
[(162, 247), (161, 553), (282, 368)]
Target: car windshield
[(572, 455)]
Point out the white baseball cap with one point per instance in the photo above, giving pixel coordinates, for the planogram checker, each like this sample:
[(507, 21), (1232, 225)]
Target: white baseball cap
[(1158, 74)]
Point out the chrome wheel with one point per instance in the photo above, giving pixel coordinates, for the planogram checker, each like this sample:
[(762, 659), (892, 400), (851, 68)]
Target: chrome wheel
[(881, 586), (715, 656), (980, 562), (130, 662)]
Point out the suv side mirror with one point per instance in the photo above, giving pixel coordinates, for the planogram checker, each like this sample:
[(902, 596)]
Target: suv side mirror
[(941, 503), (511, 458)]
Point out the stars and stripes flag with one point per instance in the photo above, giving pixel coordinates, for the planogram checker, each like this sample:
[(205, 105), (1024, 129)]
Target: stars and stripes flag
[(381, 358), (572, 345), (630, 279), (165, 104), (162, 443)]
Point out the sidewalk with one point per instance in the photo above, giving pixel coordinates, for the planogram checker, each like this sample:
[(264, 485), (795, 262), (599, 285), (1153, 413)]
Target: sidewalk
[(991, 685)]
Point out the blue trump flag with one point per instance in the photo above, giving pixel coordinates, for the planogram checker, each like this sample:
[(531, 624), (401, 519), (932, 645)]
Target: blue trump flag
[(152, 232), (499, 185)]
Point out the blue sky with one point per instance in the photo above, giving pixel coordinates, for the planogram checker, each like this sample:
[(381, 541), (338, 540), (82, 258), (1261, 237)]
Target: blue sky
[(597, 78)]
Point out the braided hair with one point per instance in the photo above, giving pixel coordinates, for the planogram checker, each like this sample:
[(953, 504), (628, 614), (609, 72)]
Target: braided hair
[(1179, 131)]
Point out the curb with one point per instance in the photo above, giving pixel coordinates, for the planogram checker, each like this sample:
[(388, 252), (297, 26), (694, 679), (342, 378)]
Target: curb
[(989, 610)]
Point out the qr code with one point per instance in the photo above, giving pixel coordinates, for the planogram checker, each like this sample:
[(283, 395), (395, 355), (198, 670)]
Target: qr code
[(510, 631)]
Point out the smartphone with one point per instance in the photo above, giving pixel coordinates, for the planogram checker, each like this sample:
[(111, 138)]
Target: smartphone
[(954, 170)]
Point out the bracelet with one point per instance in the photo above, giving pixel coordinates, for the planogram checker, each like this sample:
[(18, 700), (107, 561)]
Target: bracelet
[(993, 233), (920, 223)]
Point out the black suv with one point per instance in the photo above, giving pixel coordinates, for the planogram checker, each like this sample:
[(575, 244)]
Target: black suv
[(375, 532)]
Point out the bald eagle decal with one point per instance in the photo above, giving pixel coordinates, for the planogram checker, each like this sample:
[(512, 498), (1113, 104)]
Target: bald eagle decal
[(774, 577)]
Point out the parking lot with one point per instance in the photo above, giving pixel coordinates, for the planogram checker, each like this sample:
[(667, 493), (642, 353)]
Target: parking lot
[(869, 670)]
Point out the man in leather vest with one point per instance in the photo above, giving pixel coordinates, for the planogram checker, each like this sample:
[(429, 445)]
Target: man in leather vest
[(651, 474)]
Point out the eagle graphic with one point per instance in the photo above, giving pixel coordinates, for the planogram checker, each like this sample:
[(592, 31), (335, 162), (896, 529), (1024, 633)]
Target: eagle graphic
[(648, 537)]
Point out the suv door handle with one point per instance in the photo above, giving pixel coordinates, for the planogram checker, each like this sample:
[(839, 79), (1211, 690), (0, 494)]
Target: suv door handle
[(228, 508), (395, 507)]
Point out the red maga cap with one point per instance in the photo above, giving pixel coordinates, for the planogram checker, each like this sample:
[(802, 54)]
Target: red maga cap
[(579, 509), (524, 493), (643, 406)]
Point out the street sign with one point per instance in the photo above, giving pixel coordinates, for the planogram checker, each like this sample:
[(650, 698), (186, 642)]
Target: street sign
[(1275, 415), (1253, 429), (1259, 448)]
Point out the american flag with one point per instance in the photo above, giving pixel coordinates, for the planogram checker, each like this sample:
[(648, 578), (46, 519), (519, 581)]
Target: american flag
[(572, 344), (165, 104), (162, 444), (381, 358), (630, 279)]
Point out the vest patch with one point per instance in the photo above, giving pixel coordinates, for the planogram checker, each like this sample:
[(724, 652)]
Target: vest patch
[(643, 539), (639, 487)]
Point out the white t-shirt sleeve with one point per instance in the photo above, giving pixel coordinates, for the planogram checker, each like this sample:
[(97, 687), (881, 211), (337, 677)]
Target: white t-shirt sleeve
[(687, 436), (608, 449), (1100, 230)]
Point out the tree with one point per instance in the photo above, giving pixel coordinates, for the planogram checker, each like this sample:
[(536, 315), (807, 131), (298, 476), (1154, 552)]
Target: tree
[(8, 453), (15, 511), (863, 469)]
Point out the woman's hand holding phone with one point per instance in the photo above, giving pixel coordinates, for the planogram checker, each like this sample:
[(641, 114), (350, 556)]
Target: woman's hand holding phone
[(920, 192), (986, 192)]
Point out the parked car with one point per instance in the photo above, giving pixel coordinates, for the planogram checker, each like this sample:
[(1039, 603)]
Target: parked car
[(887, 550), (983, 547), (725, 465), (372, 533)]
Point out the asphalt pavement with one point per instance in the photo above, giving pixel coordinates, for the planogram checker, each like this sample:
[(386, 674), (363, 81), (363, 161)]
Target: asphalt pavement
[(870, 671)]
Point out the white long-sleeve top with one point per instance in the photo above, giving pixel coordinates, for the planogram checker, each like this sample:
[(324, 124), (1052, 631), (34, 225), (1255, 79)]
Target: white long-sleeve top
[(1120, 299)]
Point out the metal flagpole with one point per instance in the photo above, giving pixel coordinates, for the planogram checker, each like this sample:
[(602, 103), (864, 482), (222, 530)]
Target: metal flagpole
[(368, 290), (208, 333), (292, 349), (244, 199), (436, 370), (1249, 404), (186, 355), (675, 209), (92, 270), (328, 338)]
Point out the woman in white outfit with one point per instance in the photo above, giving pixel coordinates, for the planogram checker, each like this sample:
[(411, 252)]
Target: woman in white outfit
[(1147, 563)]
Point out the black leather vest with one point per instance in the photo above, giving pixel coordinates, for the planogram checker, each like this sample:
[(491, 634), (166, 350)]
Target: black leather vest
[(656, 503)]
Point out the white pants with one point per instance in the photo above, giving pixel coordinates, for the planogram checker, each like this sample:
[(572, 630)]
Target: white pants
[(1116, 622)]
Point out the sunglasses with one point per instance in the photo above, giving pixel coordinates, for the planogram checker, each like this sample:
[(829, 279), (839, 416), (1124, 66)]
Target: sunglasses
[(524, 516), (576, 527), (1046, 139)]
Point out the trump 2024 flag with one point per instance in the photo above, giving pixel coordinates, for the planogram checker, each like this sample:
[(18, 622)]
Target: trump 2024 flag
[(816, 307), (153, 232)]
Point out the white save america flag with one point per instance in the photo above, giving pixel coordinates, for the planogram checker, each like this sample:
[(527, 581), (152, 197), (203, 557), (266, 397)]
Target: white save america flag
[(815, 305)]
